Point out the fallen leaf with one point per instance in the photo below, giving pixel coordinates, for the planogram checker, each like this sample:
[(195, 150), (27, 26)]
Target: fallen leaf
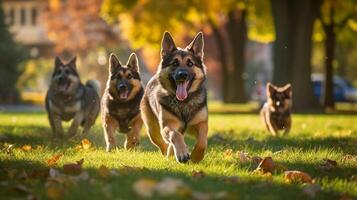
[(228, 153), (86, 144), (54, 193), (53, 161), (243, 157), (198, 174), (73, 168), (39, 173), (266, 165), (201, 196), (353, 177), (311, 190), (328, 165), (256, 159), (345, 197), (297, 176), (26, 147), (103, 171), (84, 176), (145, 187), (168, 186)]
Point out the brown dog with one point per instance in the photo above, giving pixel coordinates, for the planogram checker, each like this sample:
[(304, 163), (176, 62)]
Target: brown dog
[(276, 112), (121, 102), (175, 100)]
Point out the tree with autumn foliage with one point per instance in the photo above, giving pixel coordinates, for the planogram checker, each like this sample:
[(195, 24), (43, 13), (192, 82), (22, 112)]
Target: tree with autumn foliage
[(143, 22)]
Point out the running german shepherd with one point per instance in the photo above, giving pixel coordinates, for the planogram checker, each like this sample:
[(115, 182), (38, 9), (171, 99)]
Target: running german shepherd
[(121, 102), (276, 112), (175, 100), (67, 98)]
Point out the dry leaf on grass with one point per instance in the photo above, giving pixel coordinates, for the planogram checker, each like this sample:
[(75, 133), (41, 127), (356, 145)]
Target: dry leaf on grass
[(86, 144), (256, 159), (311, 190), (328, 165), (266, 165), (26, 147), (243, 157), (73, 168), (168, 186), (297, 176), (145, 187), (198, 174), (54, 193), (53, 161), (228, 153), (201, 196), (103, 171)]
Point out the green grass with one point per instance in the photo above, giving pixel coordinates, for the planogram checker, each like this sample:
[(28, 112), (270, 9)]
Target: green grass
[(313, 138)]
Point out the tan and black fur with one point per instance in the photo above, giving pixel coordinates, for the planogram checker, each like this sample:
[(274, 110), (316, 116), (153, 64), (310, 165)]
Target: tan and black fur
[(68, 99), (175, 100), (276, 112), (121, 102)]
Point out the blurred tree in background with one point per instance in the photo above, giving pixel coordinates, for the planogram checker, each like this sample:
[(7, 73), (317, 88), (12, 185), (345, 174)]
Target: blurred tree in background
[(143, 22), (294, 20), (11, 55), (334, 17)]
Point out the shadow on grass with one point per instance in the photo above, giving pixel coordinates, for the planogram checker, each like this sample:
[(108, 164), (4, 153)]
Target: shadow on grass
[(121, 185), (345, 144)]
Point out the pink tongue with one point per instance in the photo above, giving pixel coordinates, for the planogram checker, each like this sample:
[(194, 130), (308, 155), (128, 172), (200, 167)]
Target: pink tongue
[(181, 91), (124, 95)]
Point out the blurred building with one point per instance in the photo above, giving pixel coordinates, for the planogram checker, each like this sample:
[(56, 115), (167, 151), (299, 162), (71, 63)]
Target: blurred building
[(27, 26)]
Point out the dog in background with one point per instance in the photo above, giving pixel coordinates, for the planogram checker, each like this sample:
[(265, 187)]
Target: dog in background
[(68, 99), (276, 112), (121, 102), (175, 100)]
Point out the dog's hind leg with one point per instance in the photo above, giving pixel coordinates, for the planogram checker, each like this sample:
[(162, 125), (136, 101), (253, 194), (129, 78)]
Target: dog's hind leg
[(200, 131), (152, 126), (287, 126), (133, 137), (109, 125)]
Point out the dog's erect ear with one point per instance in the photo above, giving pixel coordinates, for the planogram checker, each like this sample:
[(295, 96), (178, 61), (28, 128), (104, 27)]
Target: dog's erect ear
[(270, 89), (133, 62), (196, 46), (58, 62), (114, 63), (167, 44), (287, 90), (72, 63)]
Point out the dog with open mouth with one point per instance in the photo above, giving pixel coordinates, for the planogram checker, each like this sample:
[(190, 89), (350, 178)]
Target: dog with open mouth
[(276, 112), (121, 102), (68, 99), (175, 100)]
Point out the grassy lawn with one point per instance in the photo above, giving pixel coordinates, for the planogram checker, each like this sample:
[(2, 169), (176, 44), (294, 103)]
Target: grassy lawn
[(313, 138)]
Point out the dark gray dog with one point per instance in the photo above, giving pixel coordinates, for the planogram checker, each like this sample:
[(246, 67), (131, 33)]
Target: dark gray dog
[(67, 98)]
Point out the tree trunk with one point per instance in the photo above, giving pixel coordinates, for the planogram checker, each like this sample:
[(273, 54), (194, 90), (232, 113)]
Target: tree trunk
[(327, 98), (222, 58), (292, 52), (237, 34)]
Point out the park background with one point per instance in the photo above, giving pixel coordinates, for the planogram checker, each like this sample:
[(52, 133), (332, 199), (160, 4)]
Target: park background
[(247, 44)]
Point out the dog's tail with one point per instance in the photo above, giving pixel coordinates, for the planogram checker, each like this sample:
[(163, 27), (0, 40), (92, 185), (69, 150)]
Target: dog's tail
[(95, 85)]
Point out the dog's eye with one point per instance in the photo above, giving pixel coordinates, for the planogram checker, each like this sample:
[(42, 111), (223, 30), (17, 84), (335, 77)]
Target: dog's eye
[(176, 63), (189, 63), (130, 76)]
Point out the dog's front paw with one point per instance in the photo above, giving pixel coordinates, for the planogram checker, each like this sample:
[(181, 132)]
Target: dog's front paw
[(181, 153)]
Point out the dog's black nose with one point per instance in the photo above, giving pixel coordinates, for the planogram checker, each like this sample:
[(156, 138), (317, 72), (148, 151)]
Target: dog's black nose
[(181, 75), (122, 86)]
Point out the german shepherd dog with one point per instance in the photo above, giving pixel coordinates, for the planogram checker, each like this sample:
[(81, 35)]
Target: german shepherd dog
[(67, 99), (276, 112), (175, 100), (121, 102)]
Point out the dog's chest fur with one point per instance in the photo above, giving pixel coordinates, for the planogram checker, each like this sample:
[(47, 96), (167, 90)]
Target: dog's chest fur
[(280, 118), (187, 109), (65, 107)]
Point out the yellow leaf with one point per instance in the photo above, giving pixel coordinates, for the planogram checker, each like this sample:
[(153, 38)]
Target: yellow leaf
[(103, 171), (86, 144), (54, 193), (26, 147), (297, 176), (53, 161), (228, 153), (145, 187)]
